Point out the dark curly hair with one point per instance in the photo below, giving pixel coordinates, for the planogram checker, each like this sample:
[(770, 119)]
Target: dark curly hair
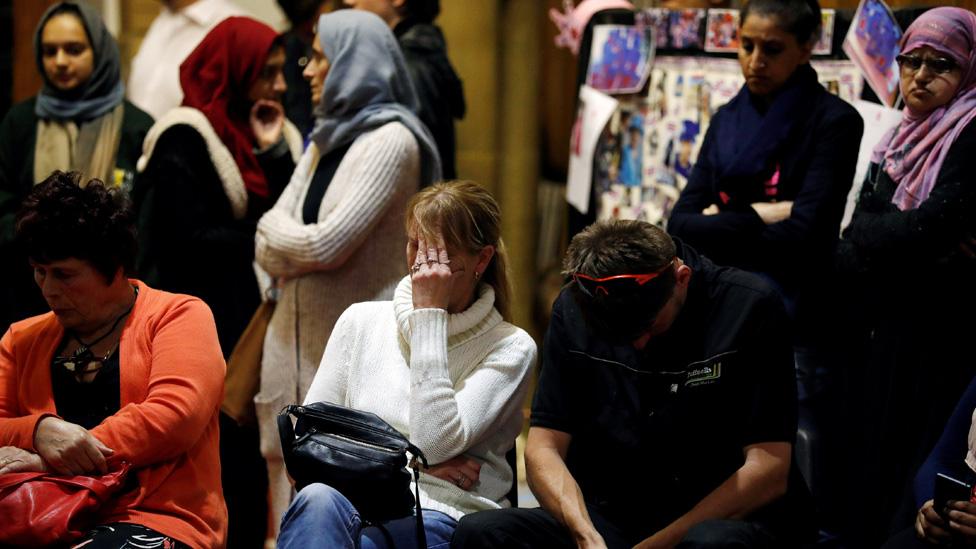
[(62, 218)]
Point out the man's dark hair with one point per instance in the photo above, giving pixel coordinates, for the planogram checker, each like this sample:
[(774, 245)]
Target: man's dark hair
[(608, 248), (423, 11), (801, 18), (614, 247), (62, 219)]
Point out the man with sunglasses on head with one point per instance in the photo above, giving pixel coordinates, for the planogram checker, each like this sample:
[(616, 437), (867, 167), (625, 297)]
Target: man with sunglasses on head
[(665, 411)]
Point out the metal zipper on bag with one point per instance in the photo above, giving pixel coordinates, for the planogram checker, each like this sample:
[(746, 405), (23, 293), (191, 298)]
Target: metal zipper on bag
[(355, 442), (340, 419)]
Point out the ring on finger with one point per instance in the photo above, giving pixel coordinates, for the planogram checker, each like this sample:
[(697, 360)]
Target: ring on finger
[(415, 268)]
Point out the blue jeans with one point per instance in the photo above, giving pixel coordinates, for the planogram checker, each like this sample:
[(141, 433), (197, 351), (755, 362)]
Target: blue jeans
[(322, 517)]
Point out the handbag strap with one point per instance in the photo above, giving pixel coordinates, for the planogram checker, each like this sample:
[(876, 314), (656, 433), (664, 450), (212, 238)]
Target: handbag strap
[(286, 431), (421, 533)]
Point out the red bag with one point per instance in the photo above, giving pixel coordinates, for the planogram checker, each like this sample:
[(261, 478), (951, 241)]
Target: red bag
[(44, 508)]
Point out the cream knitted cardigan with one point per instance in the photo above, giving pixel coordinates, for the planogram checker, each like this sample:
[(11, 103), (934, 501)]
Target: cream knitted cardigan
[(453, 384), (355, 252)]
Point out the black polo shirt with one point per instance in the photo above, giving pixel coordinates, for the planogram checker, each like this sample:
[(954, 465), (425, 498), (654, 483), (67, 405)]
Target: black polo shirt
[(655, 431)]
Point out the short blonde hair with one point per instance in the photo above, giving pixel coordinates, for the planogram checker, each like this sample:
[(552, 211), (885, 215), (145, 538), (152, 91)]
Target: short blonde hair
[(469, 219)]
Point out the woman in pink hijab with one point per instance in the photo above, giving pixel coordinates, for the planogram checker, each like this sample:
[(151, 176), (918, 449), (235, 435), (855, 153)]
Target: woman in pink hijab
[(909, 257)]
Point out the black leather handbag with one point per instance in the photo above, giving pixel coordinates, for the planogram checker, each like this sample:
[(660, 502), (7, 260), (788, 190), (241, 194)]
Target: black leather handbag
[(358, 454)]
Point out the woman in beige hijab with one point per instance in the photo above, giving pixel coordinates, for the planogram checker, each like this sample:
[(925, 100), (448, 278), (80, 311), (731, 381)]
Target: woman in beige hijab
[(79, 121)]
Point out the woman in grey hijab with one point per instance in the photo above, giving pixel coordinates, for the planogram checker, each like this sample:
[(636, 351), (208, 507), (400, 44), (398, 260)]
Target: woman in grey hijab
[(335, 237), (79, 121)]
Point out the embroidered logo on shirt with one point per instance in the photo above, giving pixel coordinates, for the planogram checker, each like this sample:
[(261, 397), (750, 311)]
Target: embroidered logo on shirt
[(705, 375)]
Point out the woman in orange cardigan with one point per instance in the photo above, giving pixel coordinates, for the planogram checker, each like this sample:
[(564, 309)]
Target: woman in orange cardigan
[(117, 371)]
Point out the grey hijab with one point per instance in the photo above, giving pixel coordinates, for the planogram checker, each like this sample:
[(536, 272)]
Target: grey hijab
[(367, 86), (102, 91)]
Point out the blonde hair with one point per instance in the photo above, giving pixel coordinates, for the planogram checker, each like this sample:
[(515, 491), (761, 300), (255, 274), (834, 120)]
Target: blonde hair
[(469, 219)]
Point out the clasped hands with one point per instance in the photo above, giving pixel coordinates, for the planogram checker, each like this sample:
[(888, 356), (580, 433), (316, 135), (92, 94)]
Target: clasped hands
[(62, 447), (961, 528), (769, 212)]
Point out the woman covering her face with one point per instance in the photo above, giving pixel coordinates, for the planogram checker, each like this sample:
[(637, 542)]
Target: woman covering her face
[(908, 253), (768, 189), (439, 363), (79, 121), (335, 237)]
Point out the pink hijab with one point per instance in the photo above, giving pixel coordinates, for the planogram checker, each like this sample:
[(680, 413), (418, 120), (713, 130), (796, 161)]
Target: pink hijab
[(914, 150)]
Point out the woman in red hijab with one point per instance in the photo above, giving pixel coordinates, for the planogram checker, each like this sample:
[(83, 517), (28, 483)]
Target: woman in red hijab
[(209, 169)]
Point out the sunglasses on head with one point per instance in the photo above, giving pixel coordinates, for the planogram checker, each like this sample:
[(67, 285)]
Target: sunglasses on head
[(616, 284), (938, 65)]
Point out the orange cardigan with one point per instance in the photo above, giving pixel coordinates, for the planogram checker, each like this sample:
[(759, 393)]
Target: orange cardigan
[(172, 375)]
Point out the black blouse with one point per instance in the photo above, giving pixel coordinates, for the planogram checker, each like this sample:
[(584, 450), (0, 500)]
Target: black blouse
[(87, 404)]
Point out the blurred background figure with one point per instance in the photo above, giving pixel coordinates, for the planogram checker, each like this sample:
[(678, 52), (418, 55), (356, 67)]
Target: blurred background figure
[(211, 168), (438, 87), (335, 237), (302, 15), (79, 121), (154, 76)]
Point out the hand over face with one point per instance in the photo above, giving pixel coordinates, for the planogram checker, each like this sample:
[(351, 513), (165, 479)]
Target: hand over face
[(17, 460), (462, 471), (431, 275), (69, 449), (267, 122)]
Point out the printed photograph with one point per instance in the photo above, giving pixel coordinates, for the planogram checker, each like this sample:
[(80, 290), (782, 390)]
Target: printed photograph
[(825, 46), (685, 28), (722, 31), (872, 44), (620, 58)]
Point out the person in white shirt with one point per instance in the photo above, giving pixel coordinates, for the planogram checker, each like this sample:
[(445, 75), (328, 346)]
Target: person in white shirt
[(154, 80)]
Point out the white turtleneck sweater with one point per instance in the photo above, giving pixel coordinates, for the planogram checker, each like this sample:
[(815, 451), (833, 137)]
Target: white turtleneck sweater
[(452, 383)]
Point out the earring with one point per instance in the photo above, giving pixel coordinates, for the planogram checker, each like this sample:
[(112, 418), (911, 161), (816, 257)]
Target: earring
[(477, 275)]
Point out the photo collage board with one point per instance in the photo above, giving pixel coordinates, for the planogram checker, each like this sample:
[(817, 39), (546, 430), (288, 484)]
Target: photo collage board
[(645, 153)]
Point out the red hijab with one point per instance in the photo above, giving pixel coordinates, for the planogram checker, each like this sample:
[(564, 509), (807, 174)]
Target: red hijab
[(216, 77)]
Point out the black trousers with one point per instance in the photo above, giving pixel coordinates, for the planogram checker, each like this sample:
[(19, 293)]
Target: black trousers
[(531, 528), (244, 478)]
